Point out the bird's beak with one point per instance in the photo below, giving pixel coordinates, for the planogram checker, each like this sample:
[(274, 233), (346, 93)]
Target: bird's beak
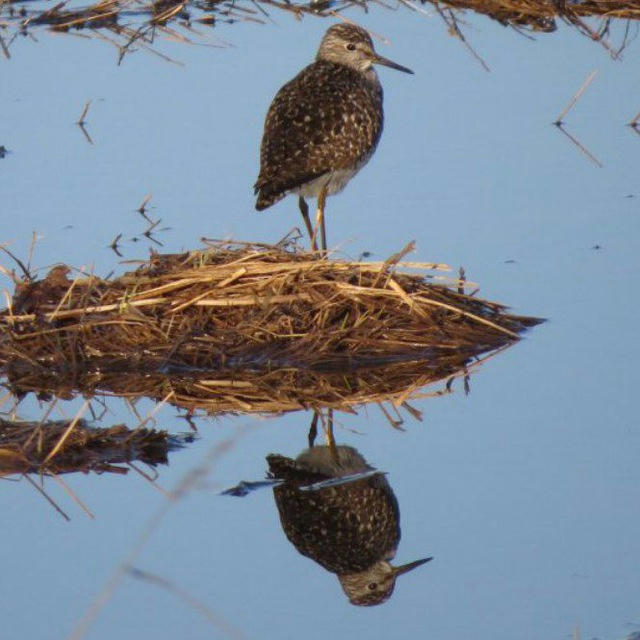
[(389, 63), (410, 566)]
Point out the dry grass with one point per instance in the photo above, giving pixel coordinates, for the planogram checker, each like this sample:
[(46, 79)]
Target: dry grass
[(243, 328), (270, 392), (137, 24), (26, 447)]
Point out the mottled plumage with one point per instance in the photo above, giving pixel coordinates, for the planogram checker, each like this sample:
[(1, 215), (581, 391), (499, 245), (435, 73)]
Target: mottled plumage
[(351, 529), (327, 120), (325, 124)]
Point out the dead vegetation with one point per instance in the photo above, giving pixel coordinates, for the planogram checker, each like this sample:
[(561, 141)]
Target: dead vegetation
[(63, 446), (237, 391), (131, 25), (247, 327)]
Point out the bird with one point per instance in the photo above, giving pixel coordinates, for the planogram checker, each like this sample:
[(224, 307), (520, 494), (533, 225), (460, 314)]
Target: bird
[(324, 125), (337, 510)]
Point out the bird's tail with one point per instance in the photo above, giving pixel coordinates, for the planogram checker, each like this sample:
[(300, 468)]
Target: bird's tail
[(268, 195)]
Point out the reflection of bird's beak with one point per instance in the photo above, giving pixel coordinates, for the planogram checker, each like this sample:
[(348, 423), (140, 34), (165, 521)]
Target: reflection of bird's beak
[(389, 63), (410, 566)]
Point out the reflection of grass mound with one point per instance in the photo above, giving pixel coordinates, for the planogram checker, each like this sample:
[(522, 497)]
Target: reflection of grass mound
[(247, 391), (217, 323), (63, 447)]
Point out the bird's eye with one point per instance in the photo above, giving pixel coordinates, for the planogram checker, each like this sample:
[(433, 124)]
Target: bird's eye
[(372, 586), (351, 46)]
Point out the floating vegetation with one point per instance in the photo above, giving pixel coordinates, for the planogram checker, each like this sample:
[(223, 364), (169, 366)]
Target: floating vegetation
[(130, 25), (249, 328), (65, 446)]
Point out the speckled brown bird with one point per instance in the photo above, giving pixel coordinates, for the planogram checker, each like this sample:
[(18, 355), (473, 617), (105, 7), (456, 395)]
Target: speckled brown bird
[(349, 524), (324, 125)]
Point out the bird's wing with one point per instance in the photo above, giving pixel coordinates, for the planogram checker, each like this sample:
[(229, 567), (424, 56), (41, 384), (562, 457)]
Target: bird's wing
[(311, 127)]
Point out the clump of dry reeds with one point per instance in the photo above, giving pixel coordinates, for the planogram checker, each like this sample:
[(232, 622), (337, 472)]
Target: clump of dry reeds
[(131, 24), (55, 447), (246, 327)]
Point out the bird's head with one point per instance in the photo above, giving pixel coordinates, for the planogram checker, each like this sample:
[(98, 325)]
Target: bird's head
[(375, 584), (351, 46)]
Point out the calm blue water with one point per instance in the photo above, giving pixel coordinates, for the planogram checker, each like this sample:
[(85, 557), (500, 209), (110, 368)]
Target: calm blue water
[(525, 492)]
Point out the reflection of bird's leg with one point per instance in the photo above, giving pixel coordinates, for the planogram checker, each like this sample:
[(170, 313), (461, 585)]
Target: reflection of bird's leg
[(304, 210), (313, 429), (331, 443), (322, 198)]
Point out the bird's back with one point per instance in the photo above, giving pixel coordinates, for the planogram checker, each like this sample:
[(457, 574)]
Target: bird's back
[(328, 118)]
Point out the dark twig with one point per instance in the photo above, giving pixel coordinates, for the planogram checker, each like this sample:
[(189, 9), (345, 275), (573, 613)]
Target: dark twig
[(46, 496), (4, 48), (115, 246), (82, 120), (579, 145), (142, 209), (451, 21)]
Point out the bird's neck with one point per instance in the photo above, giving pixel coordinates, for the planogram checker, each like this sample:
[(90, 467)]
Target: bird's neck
[(371, 76)]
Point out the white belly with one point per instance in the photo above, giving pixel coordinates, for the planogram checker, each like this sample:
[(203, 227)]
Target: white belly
[(335, 182)]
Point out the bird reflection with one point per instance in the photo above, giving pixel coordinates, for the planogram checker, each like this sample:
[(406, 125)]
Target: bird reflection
[(339, 511)]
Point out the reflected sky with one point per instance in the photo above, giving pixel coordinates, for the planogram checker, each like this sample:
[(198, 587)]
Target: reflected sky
[(525, 491)]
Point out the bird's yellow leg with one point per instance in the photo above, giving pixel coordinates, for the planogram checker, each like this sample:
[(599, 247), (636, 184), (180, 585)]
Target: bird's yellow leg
[(322, 198), (328, 432), (304, 210), (313, 429)]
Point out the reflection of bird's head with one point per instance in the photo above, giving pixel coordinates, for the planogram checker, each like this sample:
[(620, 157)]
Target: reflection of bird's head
[(375, 585), (351, 46)]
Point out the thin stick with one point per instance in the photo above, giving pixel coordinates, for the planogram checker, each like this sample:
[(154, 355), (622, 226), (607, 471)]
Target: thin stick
[(634, 122), (580, 146), (186, 483), (155, 409), (86, 134), (150, 480), (223, 626), (37, 430), (558, 122), (73, 495), (25, 270), (396, 424), (4, 48), (47, 498), (452, 22), (67, 432), (82, 120)]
